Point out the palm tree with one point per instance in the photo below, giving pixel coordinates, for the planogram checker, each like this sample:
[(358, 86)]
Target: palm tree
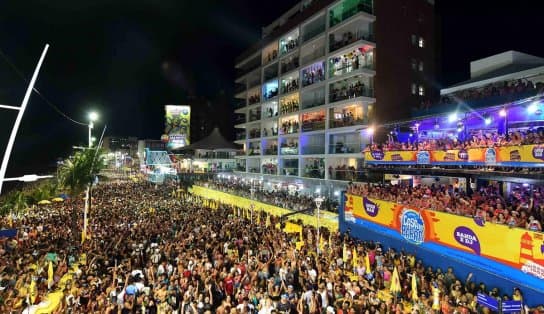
[(80, 170)]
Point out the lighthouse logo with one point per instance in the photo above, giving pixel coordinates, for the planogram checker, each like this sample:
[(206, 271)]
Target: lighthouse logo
[(412, 226)]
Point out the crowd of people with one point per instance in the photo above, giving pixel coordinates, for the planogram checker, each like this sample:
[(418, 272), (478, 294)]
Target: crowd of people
[(477, 140), (522, 208), (151, 250)]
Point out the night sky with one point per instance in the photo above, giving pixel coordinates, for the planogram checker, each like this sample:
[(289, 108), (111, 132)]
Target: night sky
[(127, 59)]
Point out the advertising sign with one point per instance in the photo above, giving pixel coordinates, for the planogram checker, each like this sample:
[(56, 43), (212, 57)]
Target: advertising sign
[(518, 248), (522, 155), (177, 126), (512, 306)]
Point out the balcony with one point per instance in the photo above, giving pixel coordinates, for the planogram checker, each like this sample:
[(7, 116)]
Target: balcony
[(313, 125), (289, 127), (289, 171), (289, 149), (255, 99), (289, 106), (342, 65), (348, 120), (272, 132), (271, 150), (254, 133), (239, 119), (313, 149), (347, 9), (289, 45), (290, 64), (314, 168), (313, 98), (254, 170), (254, 151), (241, 168), (345, 148), (289, 86), (270, 56), (348, 39), (254, 115), (353, 91), (240, 136), (270, 168), (313, 74)]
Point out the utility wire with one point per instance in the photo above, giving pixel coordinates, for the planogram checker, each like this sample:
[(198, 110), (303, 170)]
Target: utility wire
[(20, 74)]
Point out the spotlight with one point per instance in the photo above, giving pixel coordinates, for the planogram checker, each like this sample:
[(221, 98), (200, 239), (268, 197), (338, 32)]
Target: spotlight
[(487, 121), (502, 113), (533, 107), (452, 117)]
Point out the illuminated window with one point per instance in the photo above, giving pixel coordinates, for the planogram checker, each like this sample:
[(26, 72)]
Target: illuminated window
[(414, 39), (420, 66), (414, 89), (421, 43), (414, 64), (421, 90)]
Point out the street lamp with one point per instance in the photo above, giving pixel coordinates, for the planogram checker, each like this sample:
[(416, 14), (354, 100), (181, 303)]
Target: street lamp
[(318, 201), (93, 116)]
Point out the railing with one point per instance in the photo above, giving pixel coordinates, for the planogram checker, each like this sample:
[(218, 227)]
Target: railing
[(313, 32), (362, 6), (271, 151), (349, 93), (291, 87), (310, 80), (338, 44), (254, 151), (289, 46), (289, 108), (348, 121), (241, 168), (289, 171), (348, 68), (271, 56), (254, 116), (255, 99), (317, 53), (254, 170), (254, 133), (314, 173), (313, 149), (313, 103), (271, 94), (308, 126), (289, 151), (270, 169), (345, 148), (286, 67), (272, 132), (289, 129)]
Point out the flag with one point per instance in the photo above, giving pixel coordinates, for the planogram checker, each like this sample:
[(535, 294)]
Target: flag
[(321, 243), (82, 236), (367, 264), (50, 274), (32, 292), (267, 223), (354, 257), (414, 287), (395, 282), (345, 253)]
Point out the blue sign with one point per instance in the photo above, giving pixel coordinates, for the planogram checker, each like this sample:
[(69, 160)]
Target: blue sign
[(487, 301), (511, 306), (423, 157), (412, 226)]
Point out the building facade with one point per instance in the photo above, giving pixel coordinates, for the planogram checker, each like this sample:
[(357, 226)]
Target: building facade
[(310, 94)]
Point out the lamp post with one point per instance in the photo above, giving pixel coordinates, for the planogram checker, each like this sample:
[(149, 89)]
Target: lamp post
[(318, 201), (93, 116)]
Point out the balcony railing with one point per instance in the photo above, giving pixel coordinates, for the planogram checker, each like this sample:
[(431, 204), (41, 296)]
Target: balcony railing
[(311, 33), (313, 103), (271, 151), (254, 133), (270, 169), (308, 126), (289, 171), (289, 128), (289, 151), (360, 6), (350, 67), (347, 121), (270, 132), (349, 93), (316, 53), (271, 94), (254, 170), (289, 107), (316, 173), (345, 148), (241, 168), (286, 67), (289, 46), (254, 116), (313, 149), (348, 40), (255, 99), (254, 151), (271, 56)]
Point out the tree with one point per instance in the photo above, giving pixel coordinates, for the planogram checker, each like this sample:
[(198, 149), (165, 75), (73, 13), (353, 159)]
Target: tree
[(78, 171)]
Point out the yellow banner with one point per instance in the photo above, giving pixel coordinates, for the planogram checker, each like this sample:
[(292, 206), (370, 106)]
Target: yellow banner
[(519, 248), (327, 219)]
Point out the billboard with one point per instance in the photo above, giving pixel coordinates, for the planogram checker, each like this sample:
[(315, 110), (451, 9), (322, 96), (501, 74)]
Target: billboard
[(177, 126), (518, 248)]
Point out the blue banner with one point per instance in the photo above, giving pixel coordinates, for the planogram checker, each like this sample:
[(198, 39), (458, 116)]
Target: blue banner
[(488, 301), (8, 233), (511, 306)]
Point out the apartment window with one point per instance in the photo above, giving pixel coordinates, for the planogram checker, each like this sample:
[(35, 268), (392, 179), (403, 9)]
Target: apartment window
[(414, 64), (414, 39), (421, 42), (420, 66), (414, 88), (421, 90)]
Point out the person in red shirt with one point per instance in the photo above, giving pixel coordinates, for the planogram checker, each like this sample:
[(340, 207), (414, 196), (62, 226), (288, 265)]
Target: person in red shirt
[(229, 285)]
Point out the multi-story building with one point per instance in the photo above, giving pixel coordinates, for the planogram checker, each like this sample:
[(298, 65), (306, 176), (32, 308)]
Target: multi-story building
[(310, 91)]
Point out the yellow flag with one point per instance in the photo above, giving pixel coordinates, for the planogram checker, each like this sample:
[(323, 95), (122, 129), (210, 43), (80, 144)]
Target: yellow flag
[(414, 287), (267, 223), (50, 274), (354, 258), (367, 264), (395, 282), (345, 253), (83, 236), (32, 291), (321, 243)]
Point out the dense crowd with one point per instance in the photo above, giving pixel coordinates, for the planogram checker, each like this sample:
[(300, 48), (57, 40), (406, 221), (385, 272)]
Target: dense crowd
[(477, 140), (150, 252), (523, 208)]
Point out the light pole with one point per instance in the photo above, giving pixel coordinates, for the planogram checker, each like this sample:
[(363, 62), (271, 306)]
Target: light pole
[(21, 110), (318, 201), (93, 116)]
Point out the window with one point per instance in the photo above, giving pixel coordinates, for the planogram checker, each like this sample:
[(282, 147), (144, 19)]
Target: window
[(414, 64), (421, 43), (420, 67), (414, 39), (414, 88), (421, 90)]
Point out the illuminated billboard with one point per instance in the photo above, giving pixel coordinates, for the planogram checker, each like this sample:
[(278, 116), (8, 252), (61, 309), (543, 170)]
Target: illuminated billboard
[(177, 126)]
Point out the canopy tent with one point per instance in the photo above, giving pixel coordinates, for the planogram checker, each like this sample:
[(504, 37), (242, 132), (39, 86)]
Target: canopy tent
[(214, 142)]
